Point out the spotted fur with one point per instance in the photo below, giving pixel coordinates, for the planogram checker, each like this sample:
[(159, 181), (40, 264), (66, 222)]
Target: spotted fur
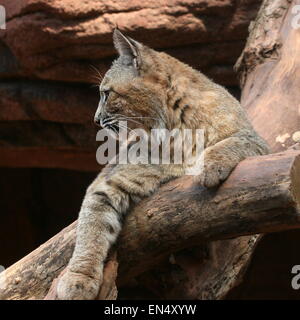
[(157, 91)]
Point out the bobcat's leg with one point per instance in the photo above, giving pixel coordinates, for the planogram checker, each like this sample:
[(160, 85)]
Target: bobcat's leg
[(221, 158), (99, 223)]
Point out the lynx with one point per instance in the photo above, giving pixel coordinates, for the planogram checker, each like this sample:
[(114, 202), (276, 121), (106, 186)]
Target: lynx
[(151, 89)]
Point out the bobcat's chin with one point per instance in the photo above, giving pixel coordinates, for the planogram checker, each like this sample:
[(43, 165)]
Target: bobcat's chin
[(77, 286)]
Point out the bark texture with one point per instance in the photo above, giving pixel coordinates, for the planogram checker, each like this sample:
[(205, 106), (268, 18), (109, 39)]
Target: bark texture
[(269, 68), (261, 195)]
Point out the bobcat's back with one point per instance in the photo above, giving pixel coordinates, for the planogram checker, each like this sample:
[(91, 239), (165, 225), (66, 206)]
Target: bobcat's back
[(151, 90)]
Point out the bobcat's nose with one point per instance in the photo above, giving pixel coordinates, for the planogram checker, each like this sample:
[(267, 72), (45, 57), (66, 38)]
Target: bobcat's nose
[(101, 120)]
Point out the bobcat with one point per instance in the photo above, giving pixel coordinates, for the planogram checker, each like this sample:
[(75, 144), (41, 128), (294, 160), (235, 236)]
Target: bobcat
[(151, 89)]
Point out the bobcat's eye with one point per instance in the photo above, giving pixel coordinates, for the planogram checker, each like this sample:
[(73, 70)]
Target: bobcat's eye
[(104, 95)]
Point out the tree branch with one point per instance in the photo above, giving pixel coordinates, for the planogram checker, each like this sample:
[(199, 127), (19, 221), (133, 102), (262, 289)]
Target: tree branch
[(261, 195)]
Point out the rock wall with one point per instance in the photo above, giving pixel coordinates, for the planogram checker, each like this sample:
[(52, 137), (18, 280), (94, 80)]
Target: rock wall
[(50, 50)]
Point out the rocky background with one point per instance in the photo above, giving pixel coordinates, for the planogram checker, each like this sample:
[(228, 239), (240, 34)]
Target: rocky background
[(52, 54)]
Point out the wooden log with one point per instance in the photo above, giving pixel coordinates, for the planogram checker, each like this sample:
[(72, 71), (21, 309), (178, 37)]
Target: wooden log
[(257, 190), (261, 195), (208, 271)]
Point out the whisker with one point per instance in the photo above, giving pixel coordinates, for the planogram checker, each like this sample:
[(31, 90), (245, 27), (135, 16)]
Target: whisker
[(95, 77), (144, 118), (128, 119), (127, 128), (100, 77), (136, 117)]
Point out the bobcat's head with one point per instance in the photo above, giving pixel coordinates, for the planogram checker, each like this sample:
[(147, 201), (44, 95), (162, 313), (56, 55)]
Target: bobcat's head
[(134, 88)]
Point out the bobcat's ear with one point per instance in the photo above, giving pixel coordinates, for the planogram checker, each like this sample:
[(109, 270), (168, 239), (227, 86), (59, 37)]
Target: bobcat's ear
[(128, 48)]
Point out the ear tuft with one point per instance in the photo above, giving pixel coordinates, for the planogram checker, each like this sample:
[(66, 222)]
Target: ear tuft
[(126, 47)]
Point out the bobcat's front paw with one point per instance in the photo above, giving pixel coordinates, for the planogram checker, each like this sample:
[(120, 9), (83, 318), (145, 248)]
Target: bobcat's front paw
[(213, 174), (77, 286)]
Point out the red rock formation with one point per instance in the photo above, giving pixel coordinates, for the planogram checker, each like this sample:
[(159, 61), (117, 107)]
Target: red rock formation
[(54, 43), (57, 40)]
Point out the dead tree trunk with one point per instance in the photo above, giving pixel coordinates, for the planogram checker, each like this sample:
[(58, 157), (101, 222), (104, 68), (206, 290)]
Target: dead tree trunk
[(269, 69), (256, 200)]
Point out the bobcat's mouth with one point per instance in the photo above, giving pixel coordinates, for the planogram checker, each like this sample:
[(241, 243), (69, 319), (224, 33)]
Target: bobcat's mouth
[(114, 127), (110, 124)]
